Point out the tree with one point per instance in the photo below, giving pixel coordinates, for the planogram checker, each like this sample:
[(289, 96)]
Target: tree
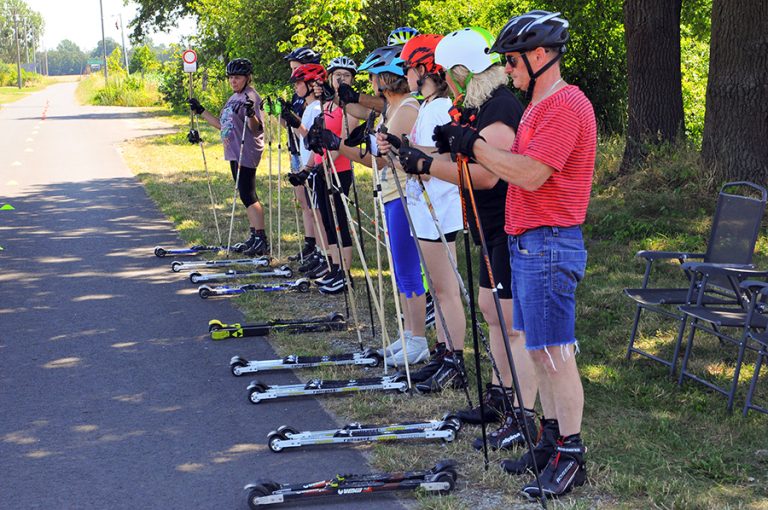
[(655, 99), (143, 60), (735, 143), (109, 43), (67, 58), (158, 14), (30, 26)]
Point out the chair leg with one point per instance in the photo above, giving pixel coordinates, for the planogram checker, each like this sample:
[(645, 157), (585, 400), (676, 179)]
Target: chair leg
[(753, 383), (737, 370), (688, 347), (634, 332), (678, 343)]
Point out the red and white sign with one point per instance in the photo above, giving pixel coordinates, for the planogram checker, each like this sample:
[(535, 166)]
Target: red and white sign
[(190, 61)]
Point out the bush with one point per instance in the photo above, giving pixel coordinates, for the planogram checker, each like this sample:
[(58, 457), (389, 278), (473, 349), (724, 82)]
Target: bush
[(130, 90), (8, 76)]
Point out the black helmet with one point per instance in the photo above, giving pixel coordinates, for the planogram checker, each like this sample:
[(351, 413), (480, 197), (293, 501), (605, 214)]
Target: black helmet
[(303, 55), (239, 66), (532, 30)]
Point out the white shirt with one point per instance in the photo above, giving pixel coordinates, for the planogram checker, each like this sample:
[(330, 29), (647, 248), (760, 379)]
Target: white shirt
[(444, 196), (307, 118)]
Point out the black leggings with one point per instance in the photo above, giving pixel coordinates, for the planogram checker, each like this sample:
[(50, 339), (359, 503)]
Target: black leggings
[(323, 204), (246, 185)]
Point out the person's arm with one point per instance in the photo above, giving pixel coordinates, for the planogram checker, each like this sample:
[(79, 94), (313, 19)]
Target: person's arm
[(522, 171), (210, 119), (254, 123), (372, 103)]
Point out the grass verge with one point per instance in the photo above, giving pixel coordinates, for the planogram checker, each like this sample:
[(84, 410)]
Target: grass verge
[(651, 444)]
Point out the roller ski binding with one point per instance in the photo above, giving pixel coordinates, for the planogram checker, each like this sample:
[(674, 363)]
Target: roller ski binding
[(258, 391), (300, 285), (178, 265), (367, 358), (193, 250), (331, 322), (288, 437), (232, 274), (441, 479)]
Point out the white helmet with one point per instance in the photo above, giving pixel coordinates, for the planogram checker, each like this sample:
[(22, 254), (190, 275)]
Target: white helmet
[(470, 47)]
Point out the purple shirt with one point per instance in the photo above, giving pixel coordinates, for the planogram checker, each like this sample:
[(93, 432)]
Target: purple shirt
[(232, 122)]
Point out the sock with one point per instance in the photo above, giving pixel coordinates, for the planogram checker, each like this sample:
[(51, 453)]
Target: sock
[(253, 230), (261, 233), (310, 241)]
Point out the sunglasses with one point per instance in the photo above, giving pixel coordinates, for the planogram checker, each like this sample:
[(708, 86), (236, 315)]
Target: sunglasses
[(512, 60)]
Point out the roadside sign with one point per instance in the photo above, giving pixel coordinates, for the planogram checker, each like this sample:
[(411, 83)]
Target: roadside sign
[(190, 61)]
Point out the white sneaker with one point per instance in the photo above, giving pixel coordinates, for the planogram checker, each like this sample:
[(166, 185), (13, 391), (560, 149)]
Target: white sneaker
[(417, 349), (396, 346)]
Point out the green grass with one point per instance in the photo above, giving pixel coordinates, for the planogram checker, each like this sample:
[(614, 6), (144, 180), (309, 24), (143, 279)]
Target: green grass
[(651, 444), (11, 94)]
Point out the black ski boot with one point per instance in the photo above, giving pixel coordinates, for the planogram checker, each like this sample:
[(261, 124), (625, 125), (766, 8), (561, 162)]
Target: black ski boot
[(259, 247), (246, 245), (511, 431), (495, 404), (541, 452), (319, 271), (303, 254), (336, 285), (432, 366), (565, 470), (429, 317), (449, 375), (313, 262)]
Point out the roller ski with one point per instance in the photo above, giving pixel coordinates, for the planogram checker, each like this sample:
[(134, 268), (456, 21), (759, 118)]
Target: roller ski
[(288, 437), (367, 358), (194, 250), (441, 479), (178, 265), (331, 322), (300, 285), (232, 274), (258, 391)]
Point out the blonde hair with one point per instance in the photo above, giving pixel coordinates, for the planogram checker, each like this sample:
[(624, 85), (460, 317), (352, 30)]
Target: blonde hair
[(482, 85)]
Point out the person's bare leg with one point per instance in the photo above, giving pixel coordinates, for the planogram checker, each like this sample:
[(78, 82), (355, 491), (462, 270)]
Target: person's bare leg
[(561, 392), (447, 292)]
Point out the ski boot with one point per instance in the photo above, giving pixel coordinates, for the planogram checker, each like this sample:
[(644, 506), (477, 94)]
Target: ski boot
[(306, 251), (432, 366), (510, 433), (259, 247), (314, 261), (450, 375), (565, 470), (495, 402), (247, 244), (429, 317), (328, 276), (336, 285), (543, 450)]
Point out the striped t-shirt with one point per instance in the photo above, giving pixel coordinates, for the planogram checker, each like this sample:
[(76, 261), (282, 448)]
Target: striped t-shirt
[(560, 132)]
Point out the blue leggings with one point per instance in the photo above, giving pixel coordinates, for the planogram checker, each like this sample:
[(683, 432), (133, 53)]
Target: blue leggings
[(405, 254)]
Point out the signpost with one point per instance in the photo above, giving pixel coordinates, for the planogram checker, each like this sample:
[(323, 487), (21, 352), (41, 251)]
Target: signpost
[(190, 61)]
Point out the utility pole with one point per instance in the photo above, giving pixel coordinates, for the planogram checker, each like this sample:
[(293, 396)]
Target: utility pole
[(18, 50), (125, 48), (103, 42)]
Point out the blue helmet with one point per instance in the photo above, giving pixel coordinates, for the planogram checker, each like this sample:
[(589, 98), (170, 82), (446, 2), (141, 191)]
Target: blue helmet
[(384, 60), (401, 35)]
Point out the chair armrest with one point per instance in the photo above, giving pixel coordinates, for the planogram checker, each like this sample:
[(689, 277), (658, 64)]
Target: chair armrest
[(657, 255), (737, 270), (755, 285)]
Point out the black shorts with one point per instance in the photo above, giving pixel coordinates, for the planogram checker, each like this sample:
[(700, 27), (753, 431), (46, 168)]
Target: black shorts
[(502, 272), (450, 237), (246, 184)]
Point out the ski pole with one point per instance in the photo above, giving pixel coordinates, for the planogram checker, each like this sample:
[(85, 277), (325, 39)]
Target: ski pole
[(195, 125), (277, 110), (438, 307), (269, 145), (237, 181), (464, 169)]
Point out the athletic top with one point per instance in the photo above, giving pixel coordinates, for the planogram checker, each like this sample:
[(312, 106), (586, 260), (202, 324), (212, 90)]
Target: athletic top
[(443, 195), (297, 107), (231, 120), (560, 131), (307, 119), (388, 187), (334, 117)]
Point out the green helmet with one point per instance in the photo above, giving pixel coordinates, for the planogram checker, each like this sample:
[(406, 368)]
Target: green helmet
[(470, 47)]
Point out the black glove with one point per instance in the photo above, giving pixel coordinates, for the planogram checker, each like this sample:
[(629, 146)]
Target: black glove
[(195, 105), (328, 92), (348, 95), (285, 106), (409, 160), (290, 118), (193, 136), (394, 141), (249, 108), (358, 136), (319, 138), (298, 178), (456, 139)]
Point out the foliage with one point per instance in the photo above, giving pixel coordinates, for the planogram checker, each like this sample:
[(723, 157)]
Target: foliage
[(109, 43), (30, 26), (67, 58), (143, 60), (8, 76), (122, 90), (115, 63)]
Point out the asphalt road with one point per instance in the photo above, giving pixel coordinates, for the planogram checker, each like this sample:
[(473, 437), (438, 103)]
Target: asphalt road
[(111, 393)]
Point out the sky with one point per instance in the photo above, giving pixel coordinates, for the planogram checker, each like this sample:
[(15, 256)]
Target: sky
[(80, 21)]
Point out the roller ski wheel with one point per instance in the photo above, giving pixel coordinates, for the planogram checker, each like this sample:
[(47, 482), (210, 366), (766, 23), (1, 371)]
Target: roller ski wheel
[(160, 252), (215, 325), (303, 286), (273, 441), (195, 277), (205, 292), (176, 266), (445, 477), (284, 430), (287, 271), (255, 390), (236, 365)]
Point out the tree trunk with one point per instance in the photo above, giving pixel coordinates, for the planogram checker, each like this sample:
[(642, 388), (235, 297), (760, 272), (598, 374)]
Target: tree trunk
[(735, 143), (652, 32)]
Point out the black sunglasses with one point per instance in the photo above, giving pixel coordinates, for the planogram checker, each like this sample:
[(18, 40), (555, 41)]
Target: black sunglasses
[(512, 60)]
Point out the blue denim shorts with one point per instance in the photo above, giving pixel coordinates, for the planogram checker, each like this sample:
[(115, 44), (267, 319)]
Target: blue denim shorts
[(547, 264)]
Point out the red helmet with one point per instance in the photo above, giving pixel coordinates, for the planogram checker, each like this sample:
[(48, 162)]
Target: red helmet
[(420, 50), (309, 72)]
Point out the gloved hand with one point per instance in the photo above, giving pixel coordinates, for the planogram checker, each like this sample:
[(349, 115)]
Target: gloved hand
[(387, 142), (319, 138), (298, 178), (347, 94), (410, 158), (328, 92), (357, 136), (290, 118), (193, 136), (195, 105), (250, 111), (456, 139), (285, 106)]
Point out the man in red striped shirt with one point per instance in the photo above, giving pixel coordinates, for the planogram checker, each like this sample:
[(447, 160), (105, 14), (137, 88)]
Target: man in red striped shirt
[(549, 170)]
